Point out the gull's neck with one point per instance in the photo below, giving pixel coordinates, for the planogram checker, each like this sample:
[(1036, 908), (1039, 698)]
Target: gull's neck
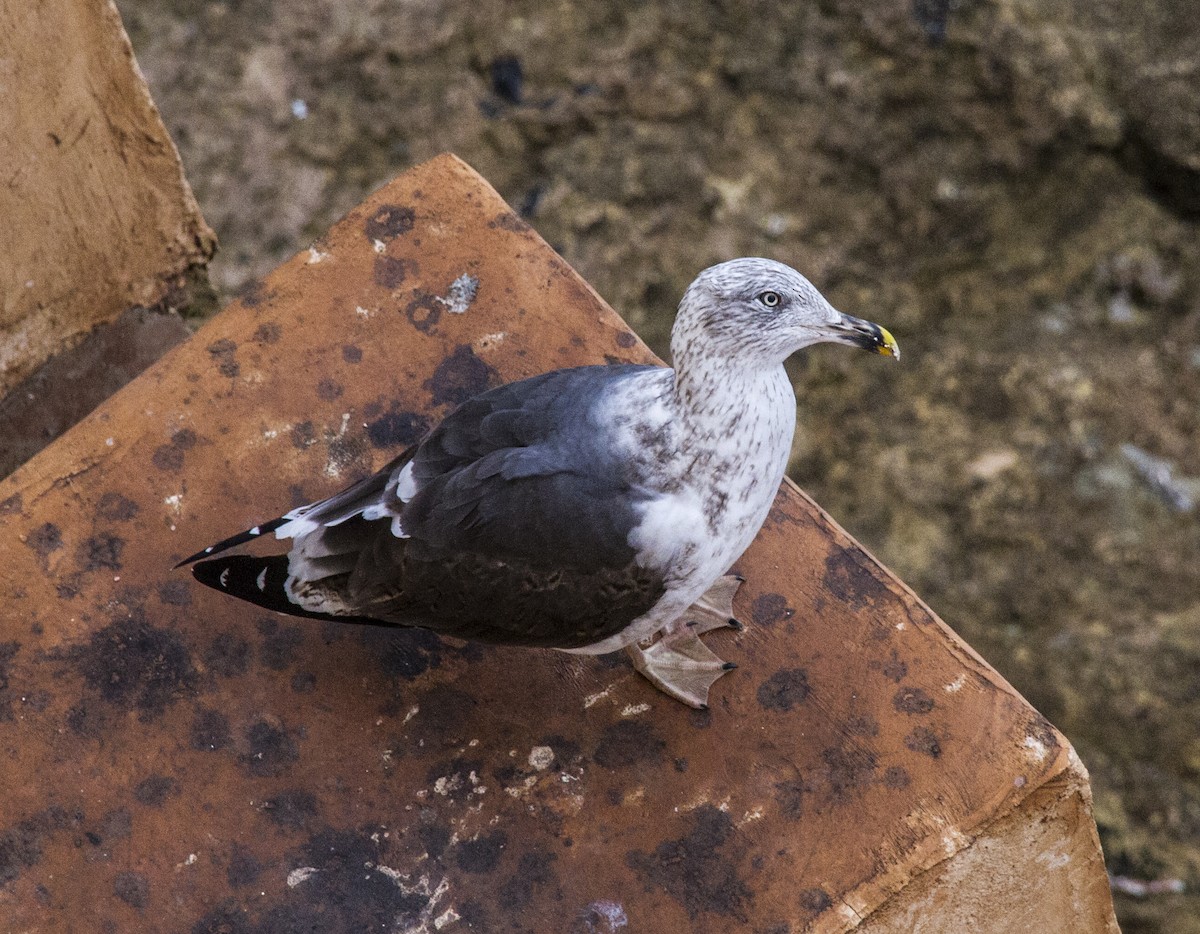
[(738, 409)]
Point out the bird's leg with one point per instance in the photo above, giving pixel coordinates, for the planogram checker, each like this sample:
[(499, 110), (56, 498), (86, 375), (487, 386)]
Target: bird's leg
[(679, 664)]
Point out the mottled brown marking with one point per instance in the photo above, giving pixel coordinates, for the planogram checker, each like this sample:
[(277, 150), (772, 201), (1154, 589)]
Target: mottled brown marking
[(848, 579), (925, 741), (388, 222), (224, 353), (769, 609), (460, 376), (116, 507), (784, 690), (912, 701), (695, 871)]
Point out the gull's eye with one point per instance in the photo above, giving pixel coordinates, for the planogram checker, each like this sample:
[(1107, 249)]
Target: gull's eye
[(770, 299)]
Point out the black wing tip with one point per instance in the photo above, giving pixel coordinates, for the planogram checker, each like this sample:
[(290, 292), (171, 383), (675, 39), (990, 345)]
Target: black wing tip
[(233, 541)]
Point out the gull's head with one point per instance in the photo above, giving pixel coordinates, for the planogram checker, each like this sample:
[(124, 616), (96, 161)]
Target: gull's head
[(765, 311)]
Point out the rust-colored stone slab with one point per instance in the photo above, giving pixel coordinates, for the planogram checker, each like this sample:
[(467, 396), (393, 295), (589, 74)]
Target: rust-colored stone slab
[(70, 384), (95, 214), (174, 760)]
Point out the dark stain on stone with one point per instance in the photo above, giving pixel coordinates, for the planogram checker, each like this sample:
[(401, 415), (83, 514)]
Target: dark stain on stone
[(113, 507), (769, 609), (508, 221), (625, 339), (170, 457), (785, 689), (328, 390), (8, 651), (348, 892), (566, 750), (912, 701), (925, 741), (293, 809), (423, 311), (227, 918), (533, 869), (154, 790), (11, 505), (459, 377), (86, 720), (175, 592), (210, 730), (133, 664), (848, 580), (100, 553), (693, 871), (21, 844), (893, 669), (789, 795), (445, 716), (411, 652), (267, 333), (224, 354), (391, 272), (896, 777), (862, 725), (627, 743), (243, 869), (397, 428), (481, 854), (133, 888), (814, 901), (304, 682), (303, 435), (278, 649), (44, 540), (388, 222), (351, 353), (271, 750), (228, 655), (434, 837), (848, 769)]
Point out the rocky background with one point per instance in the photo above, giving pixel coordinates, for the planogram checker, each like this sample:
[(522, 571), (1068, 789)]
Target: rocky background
[(1012, 186)]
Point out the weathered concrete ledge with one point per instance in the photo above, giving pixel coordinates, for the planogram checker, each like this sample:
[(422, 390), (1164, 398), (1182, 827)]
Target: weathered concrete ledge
[(173, 760)]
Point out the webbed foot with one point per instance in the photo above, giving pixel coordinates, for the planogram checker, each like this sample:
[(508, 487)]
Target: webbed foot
[(681, 666), (715, 608)]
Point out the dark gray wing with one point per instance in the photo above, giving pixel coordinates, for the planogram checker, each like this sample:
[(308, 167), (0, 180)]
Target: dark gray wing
[(513, 517), (525, 472)]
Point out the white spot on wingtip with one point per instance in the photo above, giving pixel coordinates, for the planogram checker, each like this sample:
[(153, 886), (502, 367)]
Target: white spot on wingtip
[(224, 578), (261, 581), (255, 531)]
